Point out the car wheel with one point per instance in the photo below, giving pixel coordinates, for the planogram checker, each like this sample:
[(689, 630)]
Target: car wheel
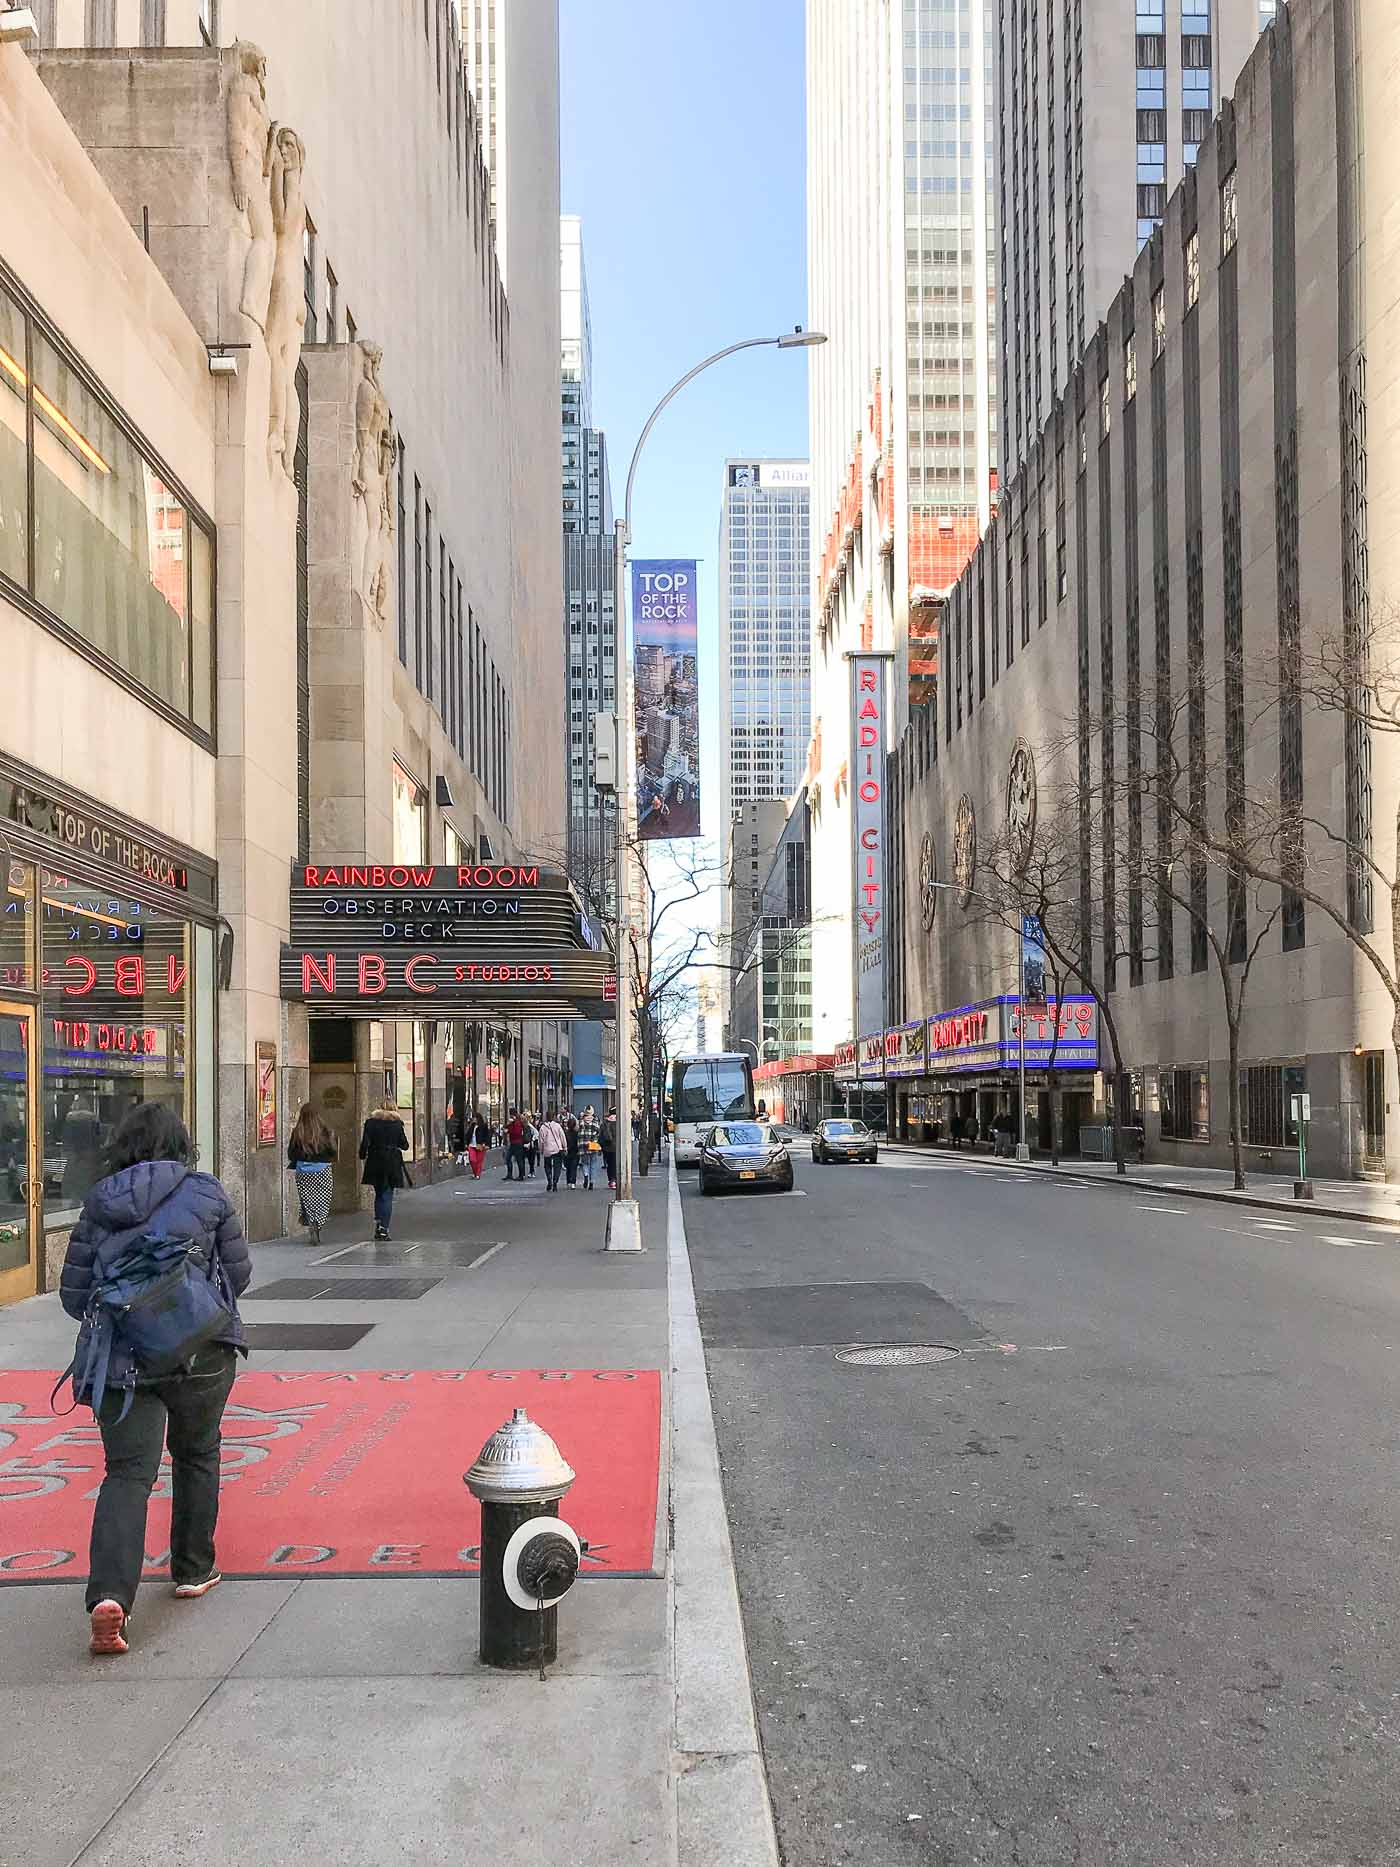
[(705, 1186)]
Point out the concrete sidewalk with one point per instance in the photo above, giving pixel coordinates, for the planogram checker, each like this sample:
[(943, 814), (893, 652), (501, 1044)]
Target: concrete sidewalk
[(348, 1719), (1370, 1201)]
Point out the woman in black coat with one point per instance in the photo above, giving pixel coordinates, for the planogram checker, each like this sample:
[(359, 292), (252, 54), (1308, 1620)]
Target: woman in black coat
[(382, 1148)]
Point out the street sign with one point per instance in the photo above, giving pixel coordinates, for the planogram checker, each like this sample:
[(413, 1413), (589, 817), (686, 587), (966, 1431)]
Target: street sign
[(1302, 1108)]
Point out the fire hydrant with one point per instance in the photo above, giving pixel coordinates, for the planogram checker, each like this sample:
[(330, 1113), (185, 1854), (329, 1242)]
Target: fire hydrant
[(529, 1556)]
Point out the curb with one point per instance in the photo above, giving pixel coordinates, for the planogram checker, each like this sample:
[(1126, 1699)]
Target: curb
[(1129, 1182), (723, 1814)]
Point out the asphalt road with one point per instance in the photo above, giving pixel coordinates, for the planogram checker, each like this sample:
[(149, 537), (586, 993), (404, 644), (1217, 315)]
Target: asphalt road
[(1117, 1582)]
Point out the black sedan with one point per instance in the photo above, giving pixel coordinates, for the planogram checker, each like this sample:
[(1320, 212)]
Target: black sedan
[(843, 1140), (744, 1156)]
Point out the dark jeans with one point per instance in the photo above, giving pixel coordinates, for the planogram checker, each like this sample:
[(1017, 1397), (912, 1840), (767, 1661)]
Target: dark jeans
[(553, 1168), (515, 1157), (383, 1205), (187, 1408), (571, 1168)]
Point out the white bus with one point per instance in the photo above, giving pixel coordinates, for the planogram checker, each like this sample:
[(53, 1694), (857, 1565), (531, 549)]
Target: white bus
[(704, 1090)]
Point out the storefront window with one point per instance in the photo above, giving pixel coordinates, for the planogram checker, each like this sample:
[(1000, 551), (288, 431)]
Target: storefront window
[(454, 850), (14, 471), (112, 542), (115, 1025), (17, 927), (410, 818)]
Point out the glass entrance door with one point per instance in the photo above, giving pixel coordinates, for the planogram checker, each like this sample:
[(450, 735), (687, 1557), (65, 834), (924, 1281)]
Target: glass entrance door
[(21, 1186)]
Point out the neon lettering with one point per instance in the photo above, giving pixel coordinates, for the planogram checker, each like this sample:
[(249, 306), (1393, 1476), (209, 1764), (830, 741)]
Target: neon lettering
[(130, 975), (89, 976), (371, 978), (410, 974), (311, 971)]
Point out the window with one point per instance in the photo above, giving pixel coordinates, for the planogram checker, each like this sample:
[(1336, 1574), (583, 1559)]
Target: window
[(308, 278), (209, 21), (1105, 410), (1159, 323), (1151, 51), (1266, 1103), (1130, 369), (332, 307), (1194, 124), (120, 560), (1229, 214), (410, 805), (100, 25), (153, 22), (1195, 51), (1193, 271), (1185, 1104)]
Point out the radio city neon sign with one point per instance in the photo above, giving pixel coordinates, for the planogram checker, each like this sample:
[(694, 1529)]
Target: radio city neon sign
[(870, 791), (962, 1031)]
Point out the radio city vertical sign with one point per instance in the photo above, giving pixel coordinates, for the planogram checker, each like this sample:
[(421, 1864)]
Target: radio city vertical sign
[(665, 627), (868, 837)]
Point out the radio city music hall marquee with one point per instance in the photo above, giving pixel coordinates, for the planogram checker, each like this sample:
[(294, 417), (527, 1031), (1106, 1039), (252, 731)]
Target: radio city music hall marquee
[(456, 938)]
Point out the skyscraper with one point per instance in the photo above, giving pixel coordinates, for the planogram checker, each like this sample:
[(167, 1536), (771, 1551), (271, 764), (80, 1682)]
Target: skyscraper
[(587, 522), (902, 278), (765, 660), (1095, 126)]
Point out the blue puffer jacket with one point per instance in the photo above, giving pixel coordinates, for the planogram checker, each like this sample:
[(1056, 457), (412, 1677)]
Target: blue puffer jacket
[(160, 1196)]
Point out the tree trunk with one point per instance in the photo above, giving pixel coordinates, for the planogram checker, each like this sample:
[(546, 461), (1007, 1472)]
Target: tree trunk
[(1233, 1022)]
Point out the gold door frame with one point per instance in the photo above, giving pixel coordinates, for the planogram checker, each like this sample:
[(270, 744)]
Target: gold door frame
[(23, 1280)]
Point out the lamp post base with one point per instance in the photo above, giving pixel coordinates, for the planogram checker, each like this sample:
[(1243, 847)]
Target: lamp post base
[(624, 1226), (1022, 1151)]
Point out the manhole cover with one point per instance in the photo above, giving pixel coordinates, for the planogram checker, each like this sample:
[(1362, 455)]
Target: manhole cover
[(894, 1354)]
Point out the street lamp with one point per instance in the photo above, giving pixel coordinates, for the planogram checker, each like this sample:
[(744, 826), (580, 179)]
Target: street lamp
[(624, 1231)]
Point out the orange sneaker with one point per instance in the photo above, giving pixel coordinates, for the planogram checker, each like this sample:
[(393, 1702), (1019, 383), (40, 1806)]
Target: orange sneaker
[(108, 1628)]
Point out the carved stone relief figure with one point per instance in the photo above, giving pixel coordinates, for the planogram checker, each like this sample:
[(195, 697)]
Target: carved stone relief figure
[(373, 477), (286, 307), (250, 160)]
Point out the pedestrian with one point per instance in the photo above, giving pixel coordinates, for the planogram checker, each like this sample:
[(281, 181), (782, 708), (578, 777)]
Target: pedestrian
[(151, 1192), (478, 1142), (311, 1152), (382, 1148), (955, 1129), (532, 1139), (515, 1145), (607, 1142), (571, 1147), (589, 1146), (553, 1145)]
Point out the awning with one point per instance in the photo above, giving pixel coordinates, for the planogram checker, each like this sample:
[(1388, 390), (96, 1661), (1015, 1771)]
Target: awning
[(592, 1082), (472, 941)]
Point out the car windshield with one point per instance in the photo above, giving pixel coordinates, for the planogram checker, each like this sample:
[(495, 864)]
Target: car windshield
[(840, 1128), (742, 1134)]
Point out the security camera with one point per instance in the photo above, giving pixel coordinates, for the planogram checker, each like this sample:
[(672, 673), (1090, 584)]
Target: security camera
[(221, 363)]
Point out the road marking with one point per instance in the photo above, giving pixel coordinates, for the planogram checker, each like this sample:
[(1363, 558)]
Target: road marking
[(1355, 1244), (476, 1263), (1157, 1208), (1275, 1225)]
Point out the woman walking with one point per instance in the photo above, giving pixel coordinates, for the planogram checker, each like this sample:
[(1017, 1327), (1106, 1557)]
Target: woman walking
[(478, 1142), (311, 1153), (553, 1145), (588, 1144), (607, 1140), (150, 1190), (571, 1147), (382, 1148)]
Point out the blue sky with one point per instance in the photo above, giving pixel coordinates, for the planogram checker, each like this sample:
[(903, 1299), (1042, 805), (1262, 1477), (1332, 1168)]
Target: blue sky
[(683, 150)]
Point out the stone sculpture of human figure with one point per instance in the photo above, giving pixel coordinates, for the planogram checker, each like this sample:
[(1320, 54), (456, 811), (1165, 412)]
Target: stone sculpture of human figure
[(286, 306), (250, 160), (374, 461)]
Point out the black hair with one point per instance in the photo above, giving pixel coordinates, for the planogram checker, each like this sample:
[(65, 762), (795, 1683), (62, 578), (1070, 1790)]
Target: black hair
[(150, 1132)]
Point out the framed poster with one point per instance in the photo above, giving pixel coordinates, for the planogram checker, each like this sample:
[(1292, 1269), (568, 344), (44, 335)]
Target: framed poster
[(266, 1089)]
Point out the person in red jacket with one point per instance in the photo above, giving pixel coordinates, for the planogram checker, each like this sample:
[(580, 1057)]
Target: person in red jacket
[(515, 1145)]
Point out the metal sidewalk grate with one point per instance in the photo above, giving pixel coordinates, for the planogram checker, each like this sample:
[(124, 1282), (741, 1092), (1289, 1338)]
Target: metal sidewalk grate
[(343, 1290), (319, 1336)]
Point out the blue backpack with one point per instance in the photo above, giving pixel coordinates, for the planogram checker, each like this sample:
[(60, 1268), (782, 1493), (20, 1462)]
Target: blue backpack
[(150, 1311)]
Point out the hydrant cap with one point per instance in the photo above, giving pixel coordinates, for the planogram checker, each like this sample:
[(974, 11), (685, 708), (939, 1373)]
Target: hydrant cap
[(519, 1464)]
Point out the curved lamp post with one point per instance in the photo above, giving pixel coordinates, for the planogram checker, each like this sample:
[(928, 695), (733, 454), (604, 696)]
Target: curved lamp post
[(624, 1231)]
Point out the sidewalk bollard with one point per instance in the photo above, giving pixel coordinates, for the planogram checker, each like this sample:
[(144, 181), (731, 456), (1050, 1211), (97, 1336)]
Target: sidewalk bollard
[(529, 1557)]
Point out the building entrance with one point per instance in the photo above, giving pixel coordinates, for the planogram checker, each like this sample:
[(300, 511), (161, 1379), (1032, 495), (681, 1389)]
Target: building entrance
[(22, 1162)]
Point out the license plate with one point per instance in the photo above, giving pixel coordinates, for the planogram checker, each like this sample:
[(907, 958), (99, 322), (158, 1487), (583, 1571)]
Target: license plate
[(748, 1174)]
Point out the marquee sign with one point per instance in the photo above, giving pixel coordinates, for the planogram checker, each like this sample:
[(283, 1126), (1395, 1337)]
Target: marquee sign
[(443, 940), (868, 833), (986, 1036), (905, 1049), (872, 1057), (845, 1062)]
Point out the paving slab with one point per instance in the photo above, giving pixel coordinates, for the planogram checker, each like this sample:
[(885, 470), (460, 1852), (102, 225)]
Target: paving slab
[(432, 1771), (43, 1633), (62, 1777), (427, 1627)]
